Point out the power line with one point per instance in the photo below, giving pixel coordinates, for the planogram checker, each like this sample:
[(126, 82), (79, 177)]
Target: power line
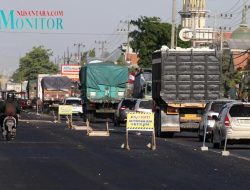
[(233, 7), (243, 60), (242, 54)]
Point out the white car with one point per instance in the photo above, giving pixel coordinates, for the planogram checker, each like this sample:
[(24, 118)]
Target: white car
[(143, 105), (76, 105), (232, 123), (212, 109)]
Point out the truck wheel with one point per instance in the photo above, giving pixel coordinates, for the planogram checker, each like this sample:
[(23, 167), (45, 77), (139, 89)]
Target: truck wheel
[(91, 117), (201, 138), (116, 123), (167, 134), (216, 145)]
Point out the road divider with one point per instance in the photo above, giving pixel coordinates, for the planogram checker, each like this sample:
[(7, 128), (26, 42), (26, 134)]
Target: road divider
[(92, 132)]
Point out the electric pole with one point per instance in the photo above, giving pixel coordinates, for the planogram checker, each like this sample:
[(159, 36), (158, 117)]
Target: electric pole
[(173, 23), (128, 46), (102, 46), (78, 51)]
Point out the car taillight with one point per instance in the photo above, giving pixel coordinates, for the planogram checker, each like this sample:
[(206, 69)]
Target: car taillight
[(122, 108), (226, 122)]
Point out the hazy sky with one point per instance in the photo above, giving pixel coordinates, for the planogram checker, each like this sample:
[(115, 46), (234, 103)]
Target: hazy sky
[(89, 21)]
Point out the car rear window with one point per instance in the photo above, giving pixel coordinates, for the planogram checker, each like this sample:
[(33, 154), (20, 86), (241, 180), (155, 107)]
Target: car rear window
[(146, 104), (73, 102), (216, 106), (128, 103), (240, 110)]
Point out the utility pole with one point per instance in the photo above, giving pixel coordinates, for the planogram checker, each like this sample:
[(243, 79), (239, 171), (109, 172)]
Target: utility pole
[(128, 41), (173, 23), (78, 51), (222, 29), (68, 59), (128, 46), (102, 46), (64, 58)]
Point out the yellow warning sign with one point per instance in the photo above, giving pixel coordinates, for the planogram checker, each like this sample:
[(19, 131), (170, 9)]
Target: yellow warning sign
[(65, 109), (140, 121)]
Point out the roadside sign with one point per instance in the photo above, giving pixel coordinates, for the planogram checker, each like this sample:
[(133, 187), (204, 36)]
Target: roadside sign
[(71, 71), (65, 110), (140, 121)]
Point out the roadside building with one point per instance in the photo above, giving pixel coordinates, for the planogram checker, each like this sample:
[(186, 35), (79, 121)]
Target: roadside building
[(239, 49)]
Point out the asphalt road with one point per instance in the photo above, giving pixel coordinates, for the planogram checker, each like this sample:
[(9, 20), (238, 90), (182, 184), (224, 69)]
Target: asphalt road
[(47, 155)]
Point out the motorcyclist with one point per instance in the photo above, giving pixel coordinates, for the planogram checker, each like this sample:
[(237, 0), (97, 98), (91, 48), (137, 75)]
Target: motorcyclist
[(9, 108)]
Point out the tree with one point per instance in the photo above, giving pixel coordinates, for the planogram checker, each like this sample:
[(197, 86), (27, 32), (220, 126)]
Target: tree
[(149, 36), (33, 63), (86, 54), (231, 76), (92, 52)]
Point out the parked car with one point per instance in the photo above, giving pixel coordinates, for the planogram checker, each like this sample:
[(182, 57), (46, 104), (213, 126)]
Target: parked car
[(76, 103), (143, 105), (125, 106), (233, 122), (212, 109)]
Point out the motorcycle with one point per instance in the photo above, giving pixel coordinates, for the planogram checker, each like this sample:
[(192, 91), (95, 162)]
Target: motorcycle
[(9, 128)]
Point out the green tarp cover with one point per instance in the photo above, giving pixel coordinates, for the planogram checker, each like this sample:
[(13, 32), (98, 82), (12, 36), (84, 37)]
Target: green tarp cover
[(94, 74), (31, 84)]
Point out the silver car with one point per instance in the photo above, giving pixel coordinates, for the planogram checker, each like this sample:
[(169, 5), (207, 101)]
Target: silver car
[(233, 122), (143, 105), (212, 109), (125, 106)]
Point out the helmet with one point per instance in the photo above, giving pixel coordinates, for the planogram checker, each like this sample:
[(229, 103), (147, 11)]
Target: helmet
[(10, 96)]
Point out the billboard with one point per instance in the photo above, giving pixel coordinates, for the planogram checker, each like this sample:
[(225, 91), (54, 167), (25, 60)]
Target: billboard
[(71, 71)]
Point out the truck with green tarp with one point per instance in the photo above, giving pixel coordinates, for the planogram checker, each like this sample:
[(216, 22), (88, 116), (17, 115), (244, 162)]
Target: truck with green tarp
[(102, 86)]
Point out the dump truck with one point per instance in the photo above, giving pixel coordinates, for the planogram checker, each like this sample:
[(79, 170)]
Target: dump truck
[(54, 90), (183, 80), (102, 85)]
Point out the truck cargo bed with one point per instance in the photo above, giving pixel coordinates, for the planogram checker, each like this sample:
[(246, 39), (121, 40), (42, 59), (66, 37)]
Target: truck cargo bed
[(180, 76)]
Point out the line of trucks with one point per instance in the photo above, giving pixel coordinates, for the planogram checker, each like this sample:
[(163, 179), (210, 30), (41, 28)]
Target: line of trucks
[(180, 82)]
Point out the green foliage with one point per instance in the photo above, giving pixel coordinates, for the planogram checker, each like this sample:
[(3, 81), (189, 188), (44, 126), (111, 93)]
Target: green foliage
[(121, 60), (231, 76), (84, 57), (33, 63), (149, 36), (92, 52), (86, 54)]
